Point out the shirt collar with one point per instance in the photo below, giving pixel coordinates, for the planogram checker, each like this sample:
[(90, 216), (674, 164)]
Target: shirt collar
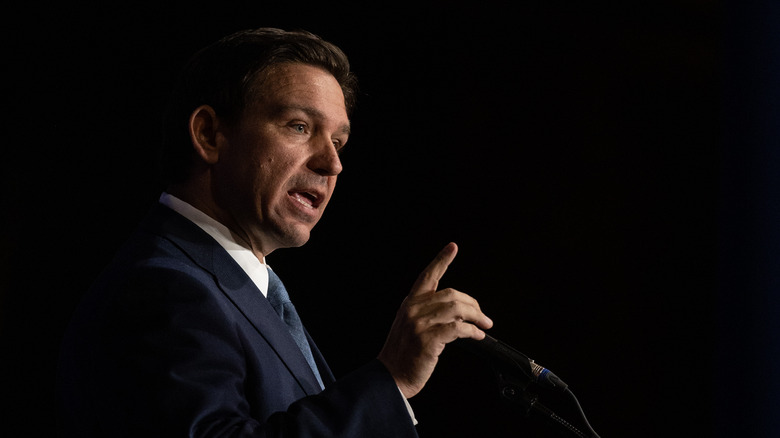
[(256, 270)]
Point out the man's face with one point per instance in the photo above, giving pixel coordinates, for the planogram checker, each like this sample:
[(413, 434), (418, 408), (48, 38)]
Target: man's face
[(278, 170)]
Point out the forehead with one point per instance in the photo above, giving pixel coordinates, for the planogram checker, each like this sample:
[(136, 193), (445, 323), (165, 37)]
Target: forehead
[(295, 85)]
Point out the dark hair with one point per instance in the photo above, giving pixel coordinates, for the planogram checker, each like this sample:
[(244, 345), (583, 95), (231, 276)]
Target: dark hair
[(225, 74)]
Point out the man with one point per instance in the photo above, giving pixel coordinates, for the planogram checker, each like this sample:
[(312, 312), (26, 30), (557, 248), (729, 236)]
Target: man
[(188, 332)]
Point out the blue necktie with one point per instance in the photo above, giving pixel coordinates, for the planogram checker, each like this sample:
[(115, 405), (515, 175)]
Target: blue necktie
[(280, 301)]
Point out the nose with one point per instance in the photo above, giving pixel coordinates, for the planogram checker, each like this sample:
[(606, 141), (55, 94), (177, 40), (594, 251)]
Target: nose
[(325, 160)]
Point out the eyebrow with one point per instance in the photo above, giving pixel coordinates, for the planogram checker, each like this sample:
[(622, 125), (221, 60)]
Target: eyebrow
[(315, 113)]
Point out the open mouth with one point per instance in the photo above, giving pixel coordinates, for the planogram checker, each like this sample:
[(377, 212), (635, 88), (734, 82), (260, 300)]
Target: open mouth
[(305, 198)]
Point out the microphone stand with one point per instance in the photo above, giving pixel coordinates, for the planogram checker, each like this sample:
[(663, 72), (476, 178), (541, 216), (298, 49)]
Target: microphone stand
[(514, 376), (513, 388)]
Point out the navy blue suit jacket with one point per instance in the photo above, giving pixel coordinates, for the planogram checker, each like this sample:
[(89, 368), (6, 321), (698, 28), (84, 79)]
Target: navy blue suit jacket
[(174, 340)]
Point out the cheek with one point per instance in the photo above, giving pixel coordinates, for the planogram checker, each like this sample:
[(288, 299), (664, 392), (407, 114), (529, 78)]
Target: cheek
[(271, 178)]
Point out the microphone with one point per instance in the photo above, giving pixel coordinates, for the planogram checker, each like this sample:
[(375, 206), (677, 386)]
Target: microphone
[(496, 350), (499, 352)]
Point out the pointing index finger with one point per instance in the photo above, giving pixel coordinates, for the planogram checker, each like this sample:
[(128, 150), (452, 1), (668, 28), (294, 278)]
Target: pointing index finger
[(428, 281)]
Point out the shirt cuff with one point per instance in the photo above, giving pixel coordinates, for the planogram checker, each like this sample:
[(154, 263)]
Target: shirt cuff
[(408, 408)]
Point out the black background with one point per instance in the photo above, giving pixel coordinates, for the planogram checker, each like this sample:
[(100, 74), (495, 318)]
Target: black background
[(606, 170)]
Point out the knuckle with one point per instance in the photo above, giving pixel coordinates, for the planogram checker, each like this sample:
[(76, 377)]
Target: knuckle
[(447, 293), (419, 326), (459, 310)]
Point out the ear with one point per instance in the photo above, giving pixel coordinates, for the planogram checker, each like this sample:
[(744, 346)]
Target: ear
[(204, 128)]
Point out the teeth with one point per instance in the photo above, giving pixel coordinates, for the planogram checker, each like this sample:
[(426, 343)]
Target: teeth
[(303, 200)]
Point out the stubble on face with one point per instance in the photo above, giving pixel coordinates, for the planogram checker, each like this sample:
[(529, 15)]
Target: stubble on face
[(279, 168)]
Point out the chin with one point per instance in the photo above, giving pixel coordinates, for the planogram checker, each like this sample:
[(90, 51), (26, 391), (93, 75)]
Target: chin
[(293, 238)]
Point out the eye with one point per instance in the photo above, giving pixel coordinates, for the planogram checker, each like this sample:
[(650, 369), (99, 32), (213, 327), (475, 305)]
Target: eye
[(300, 128), (339, 146)]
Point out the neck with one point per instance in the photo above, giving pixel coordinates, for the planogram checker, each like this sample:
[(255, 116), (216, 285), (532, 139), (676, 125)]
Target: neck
[(204, 202)]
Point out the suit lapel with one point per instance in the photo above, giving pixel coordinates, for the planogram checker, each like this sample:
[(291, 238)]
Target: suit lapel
[(240, 290)]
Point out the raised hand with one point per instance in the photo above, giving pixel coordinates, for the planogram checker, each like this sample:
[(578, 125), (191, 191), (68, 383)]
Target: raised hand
[(428, 320)]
